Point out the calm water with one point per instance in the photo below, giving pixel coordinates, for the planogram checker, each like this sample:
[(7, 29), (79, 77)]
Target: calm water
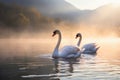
[(43, 67), (86, 68)]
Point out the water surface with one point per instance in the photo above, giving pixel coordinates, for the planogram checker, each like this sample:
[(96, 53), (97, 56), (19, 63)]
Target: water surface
[(32, 63)]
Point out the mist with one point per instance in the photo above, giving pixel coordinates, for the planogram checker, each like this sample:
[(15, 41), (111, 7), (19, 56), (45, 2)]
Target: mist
[(33, 36), (40, 43)]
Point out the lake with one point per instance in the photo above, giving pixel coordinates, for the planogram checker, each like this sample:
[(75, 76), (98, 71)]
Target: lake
[(32, 61)]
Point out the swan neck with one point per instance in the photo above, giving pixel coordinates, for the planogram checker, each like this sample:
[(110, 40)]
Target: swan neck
[(79, 41), (59, 40), (55, 53)]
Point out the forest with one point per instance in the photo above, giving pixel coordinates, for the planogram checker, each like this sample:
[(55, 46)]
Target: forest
[(15, 18)]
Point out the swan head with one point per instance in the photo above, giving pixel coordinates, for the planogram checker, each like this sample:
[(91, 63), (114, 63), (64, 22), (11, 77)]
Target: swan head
[(56, 32), (78, 35)]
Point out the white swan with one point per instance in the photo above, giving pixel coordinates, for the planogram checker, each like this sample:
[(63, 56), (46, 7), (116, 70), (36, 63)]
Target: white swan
[(66, 51), (90, 48)]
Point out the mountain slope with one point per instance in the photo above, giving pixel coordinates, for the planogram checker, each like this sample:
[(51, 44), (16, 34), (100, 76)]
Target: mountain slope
[(53, 8), (104, 16), (16, 19)]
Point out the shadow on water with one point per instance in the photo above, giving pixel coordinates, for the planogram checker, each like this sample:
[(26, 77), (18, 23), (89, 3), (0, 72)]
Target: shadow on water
[(15, 69)]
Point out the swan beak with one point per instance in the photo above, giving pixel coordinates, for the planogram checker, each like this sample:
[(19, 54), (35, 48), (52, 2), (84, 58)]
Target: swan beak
[(53, 35)]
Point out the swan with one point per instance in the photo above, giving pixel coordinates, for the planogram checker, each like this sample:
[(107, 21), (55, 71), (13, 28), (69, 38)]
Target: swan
[(66, 51), (90, 48)]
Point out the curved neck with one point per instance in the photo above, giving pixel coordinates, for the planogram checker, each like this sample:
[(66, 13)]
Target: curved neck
[(59, 40), (80, 38), (55, 53)]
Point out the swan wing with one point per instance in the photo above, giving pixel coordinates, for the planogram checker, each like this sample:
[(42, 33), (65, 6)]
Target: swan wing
[(90, 48), (77, 55), (69, 51)]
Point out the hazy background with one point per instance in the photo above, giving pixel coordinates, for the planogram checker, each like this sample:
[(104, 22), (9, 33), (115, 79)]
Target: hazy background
[(26, 27)]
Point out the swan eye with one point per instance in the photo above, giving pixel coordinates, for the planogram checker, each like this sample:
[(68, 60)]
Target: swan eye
[(54, 32), (77, 35)]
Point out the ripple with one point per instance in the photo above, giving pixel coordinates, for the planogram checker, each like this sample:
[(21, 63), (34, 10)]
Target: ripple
[(85, 69), (46, 75)]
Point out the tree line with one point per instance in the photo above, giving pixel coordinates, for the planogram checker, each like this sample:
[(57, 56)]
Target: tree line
[(17, 18)]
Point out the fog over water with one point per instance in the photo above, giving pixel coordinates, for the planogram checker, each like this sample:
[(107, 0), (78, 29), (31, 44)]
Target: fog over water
[(26, 45), (99, 26)]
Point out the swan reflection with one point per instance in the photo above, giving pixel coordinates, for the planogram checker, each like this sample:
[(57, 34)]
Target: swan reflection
[(64, 65)]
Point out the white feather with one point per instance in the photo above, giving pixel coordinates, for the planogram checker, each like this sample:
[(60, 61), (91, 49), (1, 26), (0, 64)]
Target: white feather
[(66, 51)]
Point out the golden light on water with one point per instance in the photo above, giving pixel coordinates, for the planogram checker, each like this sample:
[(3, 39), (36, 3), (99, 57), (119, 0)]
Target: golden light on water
[(45, 43)]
